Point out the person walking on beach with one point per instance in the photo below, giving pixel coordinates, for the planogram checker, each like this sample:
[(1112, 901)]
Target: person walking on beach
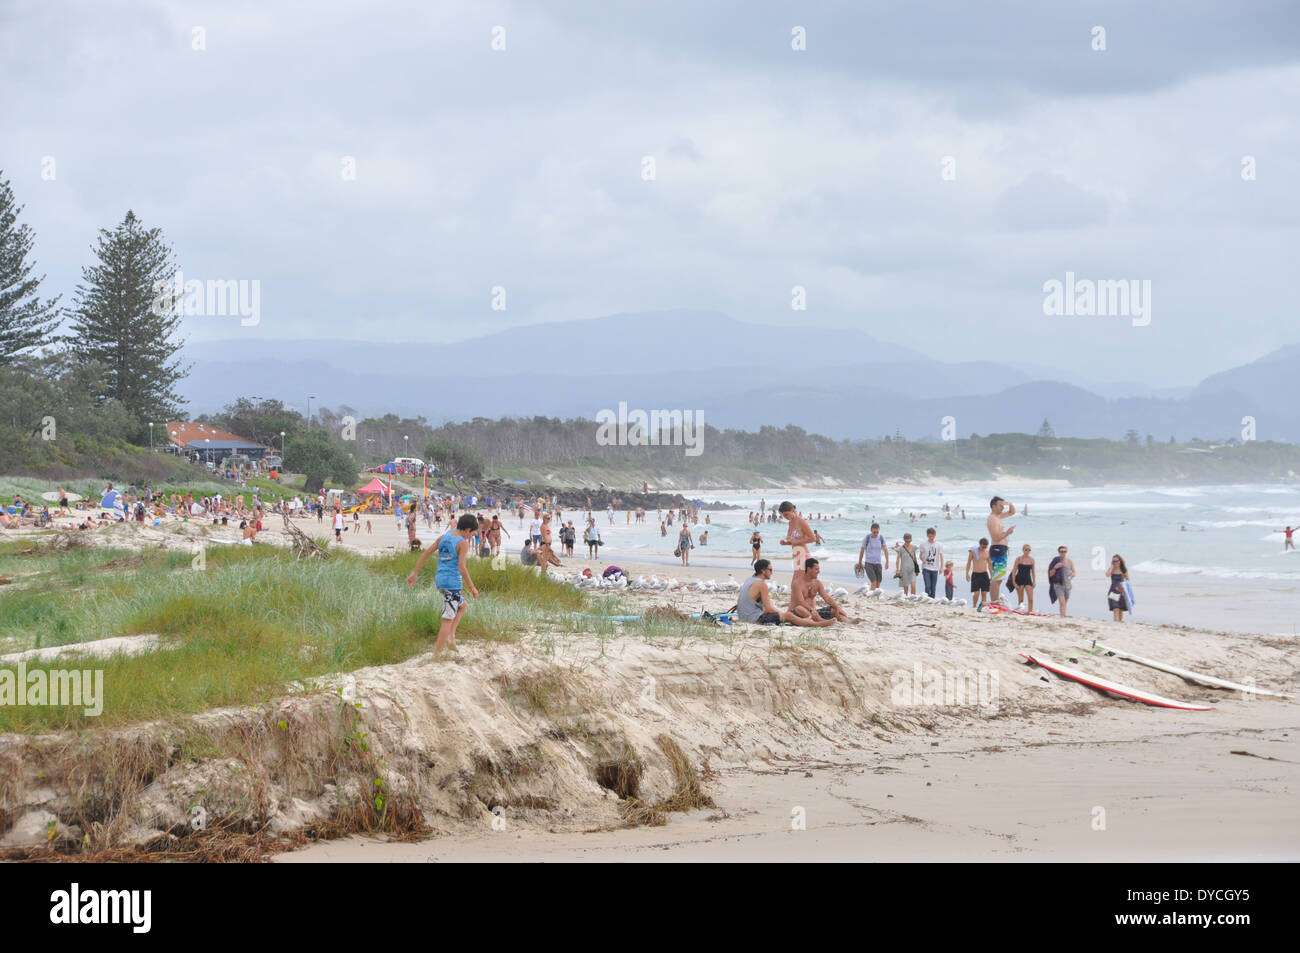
[(684, 544), (756, 547), (1000, 536), (947, 580), (1060, 577), (592, 539), (754, 601), (1025, 579), (1117, 598), (978, 565), (412, 542), (451, 578), (869, 556), (931, 554), (338, 525), (908, 566), (494, 533)]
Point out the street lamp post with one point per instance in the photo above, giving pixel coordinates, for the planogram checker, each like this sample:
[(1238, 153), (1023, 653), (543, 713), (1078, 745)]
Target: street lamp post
[(151, 436), (309, 400)]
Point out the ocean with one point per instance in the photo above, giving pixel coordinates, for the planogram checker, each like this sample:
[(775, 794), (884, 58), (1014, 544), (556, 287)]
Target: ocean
[(1179, 540)]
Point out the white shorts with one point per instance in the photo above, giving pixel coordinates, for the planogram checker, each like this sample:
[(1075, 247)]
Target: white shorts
[(453, 600)]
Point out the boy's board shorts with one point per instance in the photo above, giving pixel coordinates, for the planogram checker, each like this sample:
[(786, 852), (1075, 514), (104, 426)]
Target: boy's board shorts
[(874, 571), (979, 582), (998, 557), (452, 600)]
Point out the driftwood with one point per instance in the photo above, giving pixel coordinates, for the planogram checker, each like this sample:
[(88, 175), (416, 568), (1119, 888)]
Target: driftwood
[(302, 544)]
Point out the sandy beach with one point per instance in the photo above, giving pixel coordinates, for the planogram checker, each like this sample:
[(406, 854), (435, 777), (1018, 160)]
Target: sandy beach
[(811, 744), (1052, 771)]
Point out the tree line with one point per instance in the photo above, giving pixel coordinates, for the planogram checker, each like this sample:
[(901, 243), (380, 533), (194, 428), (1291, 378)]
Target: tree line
[(84, 378)]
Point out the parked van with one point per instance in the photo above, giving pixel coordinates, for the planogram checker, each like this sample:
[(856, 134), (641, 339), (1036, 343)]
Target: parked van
[(409, 462)]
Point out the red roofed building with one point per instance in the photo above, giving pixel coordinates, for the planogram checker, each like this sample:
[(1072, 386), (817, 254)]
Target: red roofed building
[(210, 443)]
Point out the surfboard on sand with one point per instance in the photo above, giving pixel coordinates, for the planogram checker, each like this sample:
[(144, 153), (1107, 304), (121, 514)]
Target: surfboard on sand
[(53, 496), (998, 609), (1190, 676), (1105, 685)]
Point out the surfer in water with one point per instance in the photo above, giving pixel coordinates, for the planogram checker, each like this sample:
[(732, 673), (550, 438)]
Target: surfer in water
[(999, 535)]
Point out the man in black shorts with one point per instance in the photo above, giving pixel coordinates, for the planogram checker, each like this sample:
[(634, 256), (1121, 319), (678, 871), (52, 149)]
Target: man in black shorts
[(978, 571), (754, 603)]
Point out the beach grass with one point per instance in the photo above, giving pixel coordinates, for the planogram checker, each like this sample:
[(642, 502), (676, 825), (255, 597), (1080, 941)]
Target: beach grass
[(245, 629)]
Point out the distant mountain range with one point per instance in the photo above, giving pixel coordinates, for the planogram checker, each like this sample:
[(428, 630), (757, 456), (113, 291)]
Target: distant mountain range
[(740, 375)]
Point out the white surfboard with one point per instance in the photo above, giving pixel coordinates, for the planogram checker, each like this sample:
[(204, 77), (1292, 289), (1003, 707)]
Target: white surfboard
[(1191, 676)]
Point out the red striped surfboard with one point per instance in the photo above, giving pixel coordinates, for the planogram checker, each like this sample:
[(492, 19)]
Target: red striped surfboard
[(1105, 685)]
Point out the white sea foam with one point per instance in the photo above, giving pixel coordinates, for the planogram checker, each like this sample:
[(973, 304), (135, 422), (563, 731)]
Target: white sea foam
[(1164, 567)]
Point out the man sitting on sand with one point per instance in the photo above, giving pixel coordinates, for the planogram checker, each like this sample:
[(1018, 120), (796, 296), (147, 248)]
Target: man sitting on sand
[(544, 556), (805, 589), (754, 602)]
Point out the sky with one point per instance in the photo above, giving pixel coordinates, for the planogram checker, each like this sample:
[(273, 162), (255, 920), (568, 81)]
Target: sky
[(920, 170)]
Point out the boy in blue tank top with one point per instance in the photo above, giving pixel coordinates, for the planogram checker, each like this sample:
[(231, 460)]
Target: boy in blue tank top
[(450, 578)]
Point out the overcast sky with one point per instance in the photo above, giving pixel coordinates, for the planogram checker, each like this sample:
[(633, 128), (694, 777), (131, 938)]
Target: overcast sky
[(822, 168)]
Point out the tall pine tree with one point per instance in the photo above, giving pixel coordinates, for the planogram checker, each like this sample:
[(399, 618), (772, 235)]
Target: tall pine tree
[(25, 320), (116, 322)]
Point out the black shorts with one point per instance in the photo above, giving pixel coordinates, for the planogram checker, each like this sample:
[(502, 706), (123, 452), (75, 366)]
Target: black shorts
[(979, 582), (826, 612), (769, 618)]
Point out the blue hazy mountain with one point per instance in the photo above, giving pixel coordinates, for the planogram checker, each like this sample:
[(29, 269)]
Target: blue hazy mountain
[(739, 374)]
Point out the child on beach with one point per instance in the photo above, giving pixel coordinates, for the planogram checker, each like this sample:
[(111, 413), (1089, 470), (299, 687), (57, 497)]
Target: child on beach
[(450, 578), (947, 580), (978, 568)]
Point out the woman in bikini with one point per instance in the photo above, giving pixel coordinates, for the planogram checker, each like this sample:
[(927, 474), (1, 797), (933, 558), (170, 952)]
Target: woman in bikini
[(494, 533)]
